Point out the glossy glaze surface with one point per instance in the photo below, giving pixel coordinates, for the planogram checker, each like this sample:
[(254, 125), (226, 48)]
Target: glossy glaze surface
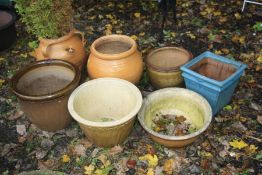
[(46, 107), (115, 56)]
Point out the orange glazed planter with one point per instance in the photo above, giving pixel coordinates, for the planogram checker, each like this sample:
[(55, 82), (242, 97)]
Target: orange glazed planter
[(69, 47), (115, 56)]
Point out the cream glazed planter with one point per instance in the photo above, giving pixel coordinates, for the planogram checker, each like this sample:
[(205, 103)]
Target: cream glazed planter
[(176, 101), (105, 109)]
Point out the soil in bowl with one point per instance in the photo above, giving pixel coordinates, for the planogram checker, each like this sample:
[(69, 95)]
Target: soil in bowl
[(113, 47), (213, 69), (173, 125)]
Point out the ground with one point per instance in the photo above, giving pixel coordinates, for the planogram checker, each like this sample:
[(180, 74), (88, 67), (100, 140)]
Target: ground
[(231, 145)]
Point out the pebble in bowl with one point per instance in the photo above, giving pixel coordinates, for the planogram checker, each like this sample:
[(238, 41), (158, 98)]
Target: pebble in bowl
[(175, 117)]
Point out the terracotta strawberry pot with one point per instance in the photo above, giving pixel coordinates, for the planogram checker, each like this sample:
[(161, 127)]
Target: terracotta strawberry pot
[(115, 56), (69, 47), (43, 89)]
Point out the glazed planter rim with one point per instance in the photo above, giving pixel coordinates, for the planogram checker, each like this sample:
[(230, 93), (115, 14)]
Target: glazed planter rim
[(116, 56), (166, 70), (12, 21), (123, 120), (42, 63), (168, 137)]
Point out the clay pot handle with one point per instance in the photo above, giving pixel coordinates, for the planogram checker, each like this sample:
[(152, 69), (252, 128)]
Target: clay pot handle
[(82, 35), (44, 50)]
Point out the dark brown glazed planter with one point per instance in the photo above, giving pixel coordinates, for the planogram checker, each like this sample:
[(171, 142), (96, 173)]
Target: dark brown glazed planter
[(43, 89), (7, 28)]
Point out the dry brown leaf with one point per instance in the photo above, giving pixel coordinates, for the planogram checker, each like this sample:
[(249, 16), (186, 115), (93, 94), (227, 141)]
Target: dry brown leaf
[(115, 150), (80, 150), (86, 143), (17, 115), (259, 119), (21, 129)]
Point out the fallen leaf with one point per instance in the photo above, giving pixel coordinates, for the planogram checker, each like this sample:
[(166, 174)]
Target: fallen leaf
[(159, 170), (92, 17), (142, 34), (152, 159), (65, 158), (47, 144), (150, 171), (259, 59), (225, 50), (217, 13), (121, 165), (251, 149), (228, 108), (40, 154), (48, 164), (104, 160), (237, 16), (89, 169), (1, 82), (242, 40), (21, 129), (218, 52), (134, 37), (207, 154), (223, 19), (21, 139), (131, 163), (115, 150), (137, 14), (191, 35), (86, 143), (238, 39), (168, 166), (94, 153), (259, 119), (150, 149), (17, 115), (109, 16), (108, 30), (119, 31), (238, 144), (255, 106), (80, 150)]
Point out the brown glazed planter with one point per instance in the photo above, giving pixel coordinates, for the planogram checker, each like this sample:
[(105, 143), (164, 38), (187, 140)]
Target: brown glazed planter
[(163, 66), (115, 56), (43, 89), (69, 47)]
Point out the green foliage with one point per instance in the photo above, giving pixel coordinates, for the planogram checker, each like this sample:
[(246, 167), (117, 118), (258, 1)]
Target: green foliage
[(46, 18), (197, 22), (33, 44), (144, 80), (258, 26)]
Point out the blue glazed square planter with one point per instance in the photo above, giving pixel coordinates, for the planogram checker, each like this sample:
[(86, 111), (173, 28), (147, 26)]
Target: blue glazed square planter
[(217, 92)]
